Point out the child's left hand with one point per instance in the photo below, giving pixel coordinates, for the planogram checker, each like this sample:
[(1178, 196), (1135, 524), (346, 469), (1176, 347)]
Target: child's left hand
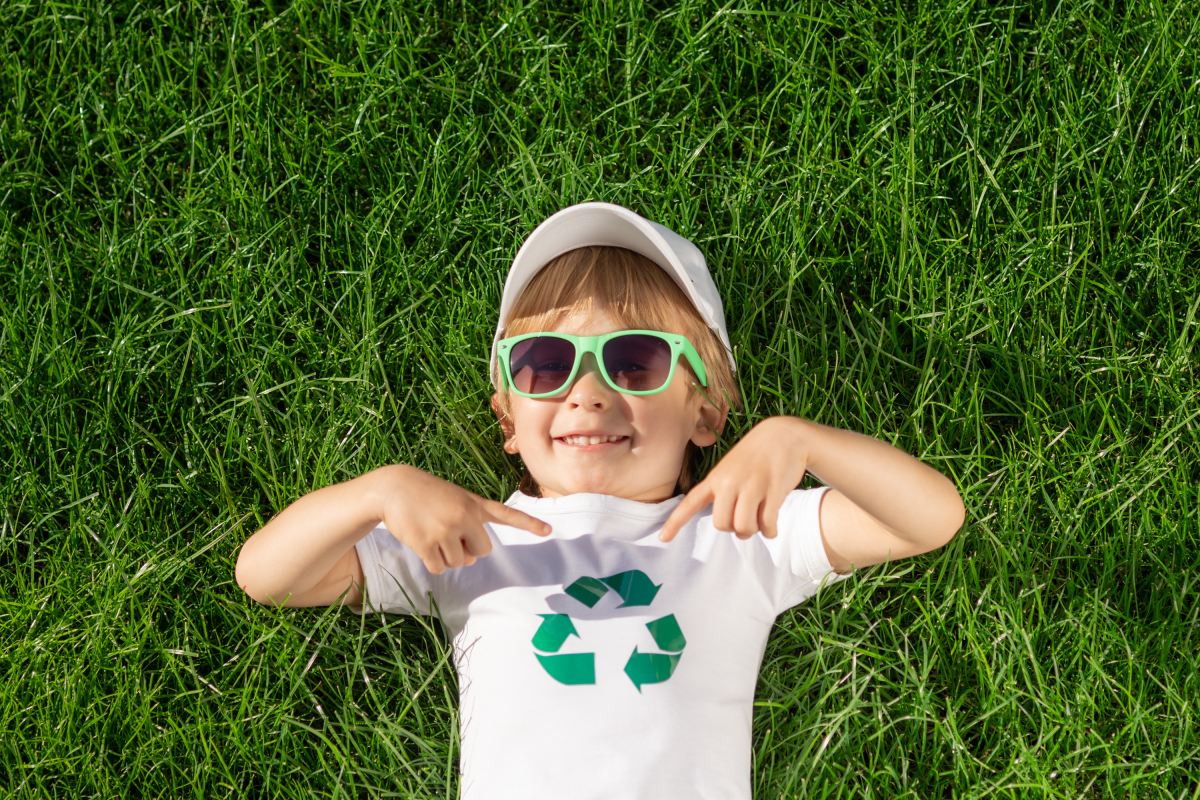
[(748, 486), (883, 504)]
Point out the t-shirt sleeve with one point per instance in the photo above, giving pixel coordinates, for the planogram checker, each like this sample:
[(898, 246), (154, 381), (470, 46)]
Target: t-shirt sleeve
[(395, 577), (798, 554)]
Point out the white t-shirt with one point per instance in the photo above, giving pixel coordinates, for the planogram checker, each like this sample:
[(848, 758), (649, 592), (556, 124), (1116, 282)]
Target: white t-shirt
[(599, 662)]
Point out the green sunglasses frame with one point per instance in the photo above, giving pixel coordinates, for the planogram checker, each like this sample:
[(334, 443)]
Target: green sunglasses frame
[(595, 345)]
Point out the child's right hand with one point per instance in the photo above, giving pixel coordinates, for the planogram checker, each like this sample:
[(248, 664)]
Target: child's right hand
[(441, 522), (305, 555)]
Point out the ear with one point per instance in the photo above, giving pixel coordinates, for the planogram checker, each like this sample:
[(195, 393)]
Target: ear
[(710, 422), (506, 426)]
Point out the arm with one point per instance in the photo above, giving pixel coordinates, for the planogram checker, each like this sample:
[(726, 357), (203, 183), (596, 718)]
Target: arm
[(883, 504), (305, 556)]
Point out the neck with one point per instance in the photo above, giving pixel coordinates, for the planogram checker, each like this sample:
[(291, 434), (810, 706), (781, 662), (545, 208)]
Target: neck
[(656, 494)]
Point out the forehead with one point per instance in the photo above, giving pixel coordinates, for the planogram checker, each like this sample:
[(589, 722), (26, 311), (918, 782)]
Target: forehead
[(587, 322)]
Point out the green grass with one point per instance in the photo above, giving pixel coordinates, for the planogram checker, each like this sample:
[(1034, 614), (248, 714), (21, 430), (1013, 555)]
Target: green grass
[(247, 251)]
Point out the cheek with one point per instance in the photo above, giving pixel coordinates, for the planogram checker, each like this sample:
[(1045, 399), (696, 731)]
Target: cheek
[(671, 418), (531, 420)]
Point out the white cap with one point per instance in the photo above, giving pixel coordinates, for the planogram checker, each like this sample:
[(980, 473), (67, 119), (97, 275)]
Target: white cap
[(608, 225)]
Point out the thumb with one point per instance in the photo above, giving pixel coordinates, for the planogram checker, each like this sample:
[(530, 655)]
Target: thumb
[(693, 503), (507, 515)]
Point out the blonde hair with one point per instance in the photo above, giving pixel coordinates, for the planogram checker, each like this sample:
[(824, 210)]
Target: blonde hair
[(637, 293)]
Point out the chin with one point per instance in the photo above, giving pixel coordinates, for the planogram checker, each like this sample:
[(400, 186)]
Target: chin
[(590, 487), (587, 484)]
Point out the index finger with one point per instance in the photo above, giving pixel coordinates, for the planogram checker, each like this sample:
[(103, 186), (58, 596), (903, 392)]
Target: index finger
[(507, 515), (693, 503)]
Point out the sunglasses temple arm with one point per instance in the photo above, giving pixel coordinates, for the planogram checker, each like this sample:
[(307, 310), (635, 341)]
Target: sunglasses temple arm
[(696, 363)]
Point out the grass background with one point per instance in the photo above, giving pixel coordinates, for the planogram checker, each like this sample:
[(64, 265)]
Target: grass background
[(250, 250)]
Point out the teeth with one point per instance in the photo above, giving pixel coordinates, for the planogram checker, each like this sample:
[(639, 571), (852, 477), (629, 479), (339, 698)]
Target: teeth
[(582, 440)]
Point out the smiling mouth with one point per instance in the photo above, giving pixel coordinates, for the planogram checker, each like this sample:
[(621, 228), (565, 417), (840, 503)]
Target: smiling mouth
[(589, 440)]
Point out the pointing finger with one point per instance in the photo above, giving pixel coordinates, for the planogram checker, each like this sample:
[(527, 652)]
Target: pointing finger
[(693, 503), (507, 515)]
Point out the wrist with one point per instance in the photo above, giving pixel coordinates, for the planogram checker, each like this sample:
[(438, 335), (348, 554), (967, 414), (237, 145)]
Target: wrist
[(796, 431), (800, 437), (379, 488)]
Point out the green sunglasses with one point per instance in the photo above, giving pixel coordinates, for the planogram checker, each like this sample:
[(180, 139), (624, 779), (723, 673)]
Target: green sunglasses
[(634, 362)]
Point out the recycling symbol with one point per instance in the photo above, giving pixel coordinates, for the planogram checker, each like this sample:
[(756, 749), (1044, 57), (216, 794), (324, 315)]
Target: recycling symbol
[(635, 589)]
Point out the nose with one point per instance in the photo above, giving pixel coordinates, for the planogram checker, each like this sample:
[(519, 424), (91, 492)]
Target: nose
[(590, 391)]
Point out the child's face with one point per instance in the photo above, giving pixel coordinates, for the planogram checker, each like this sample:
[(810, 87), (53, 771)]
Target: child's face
[(553, 435)]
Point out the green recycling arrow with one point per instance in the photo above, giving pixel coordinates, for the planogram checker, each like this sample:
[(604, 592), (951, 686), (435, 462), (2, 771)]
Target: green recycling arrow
[(635, 587), (587, 591), (570, 668), (554, 630), (649, 667), (666, 633)]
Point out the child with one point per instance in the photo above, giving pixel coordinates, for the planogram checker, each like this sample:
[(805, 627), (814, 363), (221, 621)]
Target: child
[(607, 629)]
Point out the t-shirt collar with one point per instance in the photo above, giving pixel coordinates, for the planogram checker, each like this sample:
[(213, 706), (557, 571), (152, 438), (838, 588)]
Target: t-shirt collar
[(594, 503)]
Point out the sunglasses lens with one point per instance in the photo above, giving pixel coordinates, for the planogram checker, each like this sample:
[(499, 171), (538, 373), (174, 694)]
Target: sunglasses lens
[(541, 364), (637, 362)]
